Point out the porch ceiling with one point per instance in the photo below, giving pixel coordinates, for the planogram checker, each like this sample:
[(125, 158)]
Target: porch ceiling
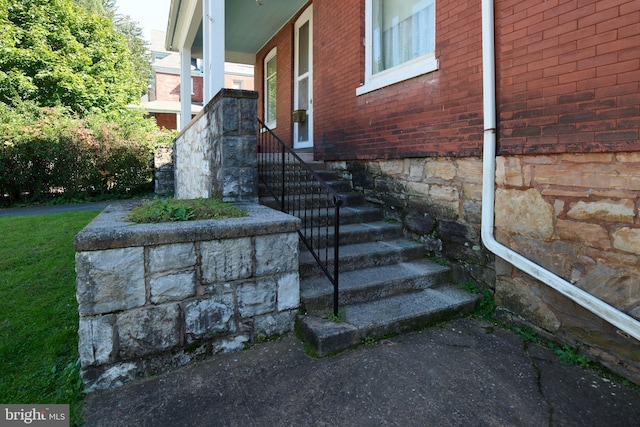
[(248, 26)]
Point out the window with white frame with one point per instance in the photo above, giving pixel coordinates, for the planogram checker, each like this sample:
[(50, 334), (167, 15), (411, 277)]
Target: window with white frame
[(400, 41), (270, 88)]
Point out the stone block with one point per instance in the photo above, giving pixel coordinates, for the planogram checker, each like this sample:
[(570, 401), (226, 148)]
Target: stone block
[(230, 184), (616, 286), (419, 223), (110, 280), (173, 287), (509, 171), (229, 345), (171, 257), (440, 169), (391, 167), (239, 152), (248, 125), (472, 191), (362, 179), (472, 211), (148, 330), (521, 296), (257, 297), (97, 340), (274, 324), (112, 377), (627, 239), (209, 317), (444, 193), (525, 213), (226, 260), (469, 170), (276, 253), (416, 169), (417, 188), (593, 235), (604, 210), (289, 291)]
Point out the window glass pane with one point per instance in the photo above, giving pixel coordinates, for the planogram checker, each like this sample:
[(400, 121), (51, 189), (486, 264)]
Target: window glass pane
[(271, 88), (271, 67), (271, 100), (303, 104), (303, 49), (402, 30)]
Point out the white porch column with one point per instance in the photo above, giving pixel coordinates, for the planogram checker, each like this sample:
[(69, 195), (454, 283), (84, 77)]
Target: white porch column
[(185, 87), (213, 47)]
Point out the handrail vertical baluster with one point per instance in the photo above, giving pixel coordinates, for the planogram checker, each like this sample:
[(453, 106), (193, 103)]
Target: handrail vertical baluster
[(303, 180)]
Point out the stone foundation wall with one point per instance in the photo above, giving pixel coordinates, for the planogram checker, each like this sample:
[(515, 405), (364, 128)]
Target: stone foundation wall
[(155, 296), (216, 155), (577, 216), (438, 200), (574, 214), (163, 170)]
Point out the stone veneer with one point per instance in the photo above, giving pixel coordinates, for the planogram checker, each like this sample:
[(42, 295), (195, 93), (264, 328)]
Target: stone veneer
[(216, 154), (155, 296), (574, 214), (163, 170)]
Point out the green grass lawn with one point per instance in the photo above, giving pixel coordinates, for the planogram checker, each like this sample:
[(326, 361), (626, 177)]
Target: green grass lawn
[(38, 310)]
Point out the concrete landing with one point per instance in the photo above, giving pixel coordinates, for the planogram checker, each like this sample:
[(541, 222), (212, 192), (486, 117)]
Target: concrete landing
[(464, 373)]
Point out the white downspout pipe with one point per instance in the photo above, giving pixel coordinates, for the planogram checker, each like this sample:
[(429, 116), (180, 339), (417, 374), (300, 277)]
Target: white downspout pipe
[(601, 309)]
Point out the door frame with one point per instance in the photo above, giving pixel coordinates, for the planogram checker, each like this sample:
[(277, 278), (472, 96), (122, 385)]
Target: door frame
[(306, 16)]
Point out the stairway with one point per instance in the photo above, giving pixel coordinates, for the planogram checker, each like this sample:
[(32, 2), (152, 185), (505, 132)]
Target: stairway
[(387, 285)]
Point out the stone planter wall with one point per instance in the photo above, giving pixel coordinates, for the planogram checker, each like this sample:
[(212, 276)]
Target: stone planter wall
[(156, 296)]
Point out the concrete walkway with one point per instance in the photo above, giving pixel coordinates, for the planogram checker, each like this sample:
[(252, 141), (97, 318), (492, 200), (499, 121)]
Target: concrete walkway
[(53, 209), (464, 373)]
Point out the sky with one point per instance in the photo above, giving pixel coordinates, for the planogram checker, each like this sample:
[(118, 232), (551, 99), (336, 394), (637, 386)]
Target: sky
[(150, 14)]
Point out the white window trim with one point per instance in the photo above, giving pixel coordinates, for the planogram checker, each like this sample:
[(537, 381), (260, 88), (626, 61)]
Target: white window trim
[(408, 70), (273, 53)]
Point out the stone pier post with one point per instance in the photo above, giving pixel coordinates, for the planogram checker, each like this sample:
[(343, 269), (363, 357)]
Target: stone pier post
[(215, 156)]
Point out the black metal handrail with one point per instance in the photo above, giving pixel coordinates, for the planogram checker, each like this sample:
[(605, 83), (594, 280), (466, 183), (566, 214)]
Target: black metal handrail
[(301, 192)]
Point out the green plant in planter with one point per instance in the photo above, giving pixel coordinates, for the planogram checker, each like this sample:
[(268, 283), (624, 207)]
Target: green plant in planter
[(167, 210)]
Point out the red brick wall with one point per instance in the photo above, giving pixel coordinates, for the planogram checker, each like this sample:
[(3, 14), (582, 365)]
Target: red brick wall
[(230, 78), (197, 89), (439, 113), (568, 75), (167, 87), (284, 42), (166, 120)]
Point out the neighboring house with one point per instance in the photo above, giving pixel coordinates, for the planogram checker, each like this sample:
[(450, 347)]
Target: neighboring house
[(526, 177), (164, 97)]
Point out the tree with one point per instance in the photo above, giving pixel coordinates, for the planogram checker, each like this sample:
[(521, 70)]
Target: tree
[(61, 52), (129, 28)]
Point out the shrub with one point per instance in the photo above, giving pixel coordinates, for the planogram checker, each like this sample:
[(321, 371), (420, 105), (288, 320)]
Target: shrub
[(50, 153)]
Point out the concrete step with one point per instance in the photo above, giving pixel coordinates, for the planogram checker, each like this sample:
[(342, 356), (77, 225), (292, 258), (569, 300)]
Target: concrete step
[(293, 172), (296, 201), (364, 255), (338, 185), (353, 233), (373, 283), (348, 215), (384, 317)]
